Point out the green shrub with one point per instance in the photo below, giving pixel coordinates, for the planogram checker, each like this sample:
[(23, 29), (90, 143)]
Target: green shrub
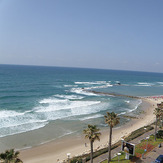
[(160, 134), (138, 133)]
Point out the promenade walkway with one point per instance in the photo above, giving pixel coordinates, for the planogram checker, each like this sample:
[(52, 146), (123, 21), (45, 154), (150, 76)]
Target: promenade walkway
[(118, 149)]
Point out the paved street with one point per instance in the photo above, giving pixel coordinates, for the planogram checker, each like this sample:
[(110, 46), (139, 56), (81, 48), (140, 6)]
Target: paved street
[(151, 156)]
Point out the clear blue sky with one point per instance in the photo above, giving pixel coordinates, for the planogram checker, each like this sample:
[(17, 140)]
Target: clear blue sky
[(109, 34)]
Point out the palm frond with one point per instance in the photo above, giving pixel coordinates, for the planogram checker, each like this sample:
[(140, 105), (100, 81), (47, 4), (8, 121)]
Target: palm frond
[(111, 119), (92, 133)]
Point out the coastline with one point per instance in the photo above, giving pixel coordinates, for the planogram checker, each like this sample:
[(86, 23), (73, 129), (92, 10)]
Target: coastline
[(57, 150)]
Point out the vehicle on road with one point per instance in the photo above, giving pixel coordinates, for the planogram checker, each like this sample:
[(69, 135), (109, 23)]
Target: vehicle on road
[(159, 159)]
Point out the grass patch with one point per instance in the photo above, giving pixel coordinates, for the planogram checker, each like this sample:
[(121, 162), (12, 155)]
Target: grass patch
[(140, 148), (121, 159)]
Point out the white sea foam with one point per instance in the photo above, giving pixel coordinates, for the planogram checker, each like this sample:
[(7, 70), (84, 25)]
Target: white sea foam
[(9, 113), (90, 109), (122, 113), (127, 101), (18, 119), (117, 81), (69, 96), (145, 84), (52, 100), (160, 83), (91, 117), (91, 83), (137, 105), (83, 92), (70, 85), (97, 87), (59, 104), (16, 123), (21, 128), (133, 104)]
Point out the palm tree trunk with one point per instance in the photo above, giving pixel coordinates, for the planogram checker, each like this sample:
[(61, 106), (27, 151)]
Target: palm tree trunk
[(91, 155), (155, 127), (109, 147)]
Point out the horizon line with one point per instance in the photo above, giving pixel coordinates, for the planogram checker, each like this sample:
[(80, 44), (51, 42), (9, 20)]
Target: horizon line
[(80, 68)]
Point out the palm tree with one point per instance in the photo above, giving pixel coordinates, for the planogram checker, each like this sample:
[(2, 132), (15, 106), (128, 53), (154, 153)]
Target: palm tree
[(92, 133), (158, 113), (112, 120), (160, 106), (10, 156)]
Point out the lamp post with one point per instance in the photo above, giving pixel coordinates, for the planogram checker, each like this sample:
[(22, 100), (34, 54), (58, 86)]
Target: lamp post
[(161, 123), (68, 156), (122, 144), (118, 156), (147, 142)]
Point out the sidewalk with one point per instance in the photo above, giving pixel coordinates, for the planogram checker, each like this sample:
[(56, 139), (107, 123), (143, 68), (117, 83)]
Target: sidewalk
[(152, 155), (118, 149)]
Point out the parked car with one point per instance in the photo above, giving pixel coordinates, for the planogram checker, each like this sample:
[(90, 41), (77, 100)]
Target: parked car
[(159, 159)]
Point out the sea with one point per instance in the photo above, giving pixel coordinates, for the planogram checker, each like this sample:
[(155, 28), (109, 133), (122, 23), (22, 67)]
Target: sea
[(36, 98)]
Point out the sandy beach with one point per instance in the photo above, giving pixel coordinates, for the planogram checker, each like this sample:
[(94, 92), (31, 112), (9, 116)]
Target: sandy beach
[(56, 151)]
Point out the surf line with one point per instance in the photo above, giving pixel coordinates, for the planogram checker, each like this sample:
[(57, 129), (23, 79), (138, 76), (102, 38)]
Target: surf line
[(113, 94)]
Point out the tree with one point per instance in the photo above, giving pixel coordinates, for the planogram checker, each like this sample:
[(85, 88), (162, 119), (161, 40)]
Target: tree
[(160, 106), (10, 156), (158, 112), (112, 120), (92, 133)]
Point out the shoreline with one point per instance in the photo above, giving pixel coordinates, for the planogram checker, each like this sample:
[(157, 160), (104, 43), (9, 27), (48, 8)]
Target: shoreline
[(57, 150)]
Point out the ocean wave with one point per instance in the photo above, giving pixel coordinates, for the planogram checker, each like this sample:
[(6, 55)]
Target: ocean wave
[(91, 83), (70, 85), (18, 119), (133, 106), (122, 113), (82, 91), (89, 86), (58, 104), (91, 117), (91, 109), (17, 123), (160, 83), (138, 103), (144, 84), (6, 131), (52, 100), (97, 87), (127, 101), (71, 97), (9, 113)]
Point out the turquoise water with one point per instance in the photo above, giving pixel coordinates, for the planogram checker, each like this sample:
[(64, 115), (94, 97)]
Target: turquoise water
[(31, 96)]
